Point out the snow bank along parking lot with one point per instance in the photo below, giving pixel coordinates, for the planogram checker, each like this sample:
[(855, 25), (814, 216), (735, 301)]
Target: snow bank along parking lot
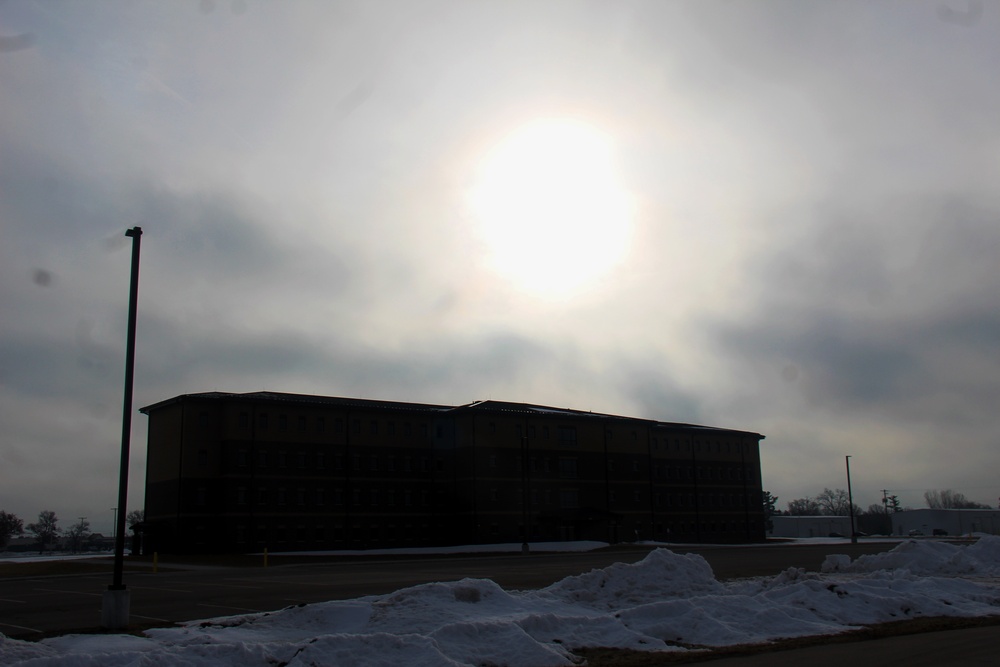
[(666, 602)]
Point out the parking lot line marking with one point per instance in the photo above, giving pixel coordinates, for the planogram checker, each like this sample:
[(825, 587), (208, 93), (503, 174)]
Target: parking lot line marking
[(19, 627), (54, 590), (17, 601), (152, 618), (157, 588), (255, 588), (226, 606)]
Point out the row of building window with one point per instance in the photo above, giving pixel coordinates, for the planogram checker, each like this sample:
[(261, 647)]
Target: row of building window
[(375, 532), (566, 435), (568, 498), (568, 467)]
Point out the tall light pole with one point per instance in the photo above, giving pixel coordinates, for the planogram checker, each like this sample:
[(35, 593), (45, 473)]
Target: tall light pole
[(115, 608), (850, 501), (114, 522), (524, 492)]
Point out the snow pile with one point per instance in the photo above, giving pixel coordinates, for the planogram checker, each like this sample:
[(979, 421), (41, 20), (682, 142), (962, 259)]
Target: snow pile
[(927, 558), (666, 602)]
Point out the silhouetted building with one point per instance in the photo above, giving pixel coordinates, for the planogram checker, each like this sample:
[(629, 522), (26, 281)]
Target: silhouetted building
[(241, 472)]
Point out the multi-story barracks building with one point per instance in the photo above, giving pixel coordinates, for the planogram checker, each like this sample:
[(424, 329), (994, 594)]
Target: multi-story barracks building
[(287, 472)]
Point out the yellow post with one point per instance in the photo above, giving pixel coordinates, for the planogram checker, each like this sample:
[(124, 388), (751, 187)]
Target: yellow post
[(156, 562), (265, 556)]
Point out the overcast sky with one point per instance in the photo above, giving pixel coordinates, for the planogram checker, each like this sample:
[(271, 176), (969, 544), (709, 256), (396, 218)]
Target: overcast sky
[(780, 217)]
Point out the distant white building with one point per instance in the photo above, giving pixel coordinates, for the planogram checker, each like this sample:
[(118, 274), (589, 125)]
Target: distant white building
[(810, 526), (946, 522)]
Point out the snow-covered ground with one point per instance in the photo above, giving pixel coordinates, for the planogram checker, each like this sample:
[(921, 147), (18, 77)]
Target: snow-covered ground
[(666, 602)]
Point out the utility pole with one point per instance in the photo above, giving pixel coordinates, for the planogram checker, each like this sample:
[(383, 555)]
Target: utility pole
[(850, 501), (115, 608)]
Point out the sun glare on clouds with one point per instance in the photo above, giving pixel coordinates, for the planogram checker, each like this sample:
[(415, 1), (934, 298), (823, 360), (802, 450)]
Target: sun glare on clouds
[(550, 207)]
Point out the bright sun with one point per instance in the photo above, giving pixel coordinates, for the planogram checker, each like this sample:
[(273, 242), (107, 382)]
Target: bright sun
[(550, 207)]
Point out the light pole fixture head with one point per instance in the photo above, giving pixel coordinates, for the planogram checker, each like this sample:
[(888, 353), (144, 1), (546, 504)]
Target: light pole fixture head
[(135, 231)]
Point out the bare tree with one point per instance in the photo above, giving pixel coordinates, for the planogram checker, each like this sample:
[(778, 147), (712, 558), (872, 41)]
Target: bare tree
[(134, 517), (45, 529), (834, 502), (10, 526), (803, 507), (951, 500), (77, 533)]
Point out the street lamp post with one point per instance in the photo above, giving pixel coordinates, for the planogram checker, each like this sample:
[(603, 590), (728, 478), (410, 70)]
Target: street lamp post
[(524, 492), (115, 608), (850, 501)]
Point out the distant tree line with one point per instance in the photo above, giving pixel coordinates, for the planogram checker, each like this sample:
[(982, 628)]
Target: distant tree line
[(875, 519), (47, 533), (951, 500)]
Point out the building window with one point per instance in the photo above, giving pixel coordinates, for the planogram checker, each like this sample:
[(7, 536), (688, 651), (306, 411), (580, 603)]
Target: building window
[(261, 496), (200, 494), (390, 428), (338, 425), (202, 458), (356, 426), (320, 495), (374, 427), (373, 463), (637, 496), (282, 422), (567, 436), (262, 459), (569, 499), (320, 425), (241, 458), (244, 420), (262, 421), (391, 464), (282, 459), (300, 497), (493, 460), (321, 460), (301, 459), (568, 468), (390, 497), (241, 495)]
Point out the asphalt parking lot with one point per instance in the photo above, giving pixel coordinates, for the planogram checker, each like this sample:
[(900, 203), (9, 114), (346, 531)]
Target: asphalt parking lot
[(32, 607), (186, 590)]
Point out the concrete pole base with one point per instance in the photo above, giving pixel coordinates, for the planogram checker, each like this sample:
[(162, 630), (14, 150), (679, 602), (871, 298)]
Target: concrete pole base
[(115, 609)]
